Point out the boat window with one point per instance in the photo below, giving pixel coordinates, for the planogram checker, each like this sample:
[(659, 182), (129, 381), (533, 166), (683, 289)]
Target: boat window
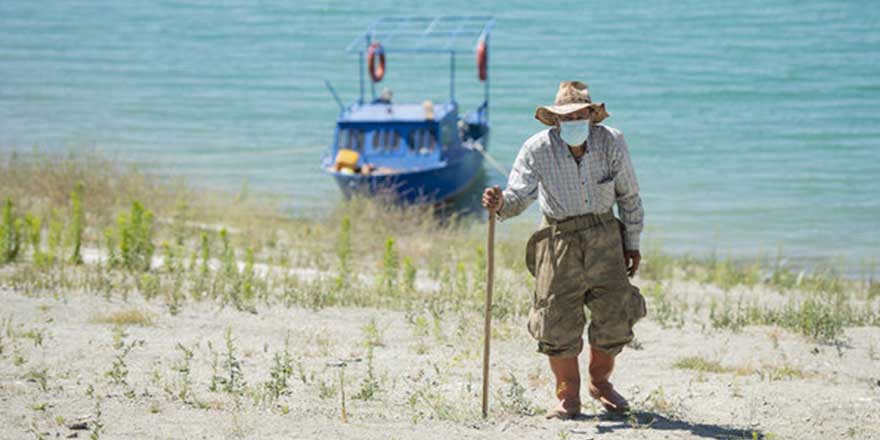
[(412, 139), (392, 140), (386, 139), (421, 140), (427, 144), (340, 139)]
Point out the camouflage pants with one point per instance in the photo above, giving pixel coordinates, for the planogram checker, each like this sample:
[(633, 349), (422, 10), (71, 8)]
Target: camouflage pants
[(576, 264)]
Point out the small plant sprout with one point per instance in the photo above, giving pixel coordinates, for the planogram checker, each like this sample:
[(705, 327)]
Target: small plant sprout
[(370, 386), (248, 277), (168, 257), (409, 274), (118, 372), (343, 253), (10, 233), (282, 369), (135, 230), (55, 236), (343, 412), (183, 369), (97, 425), (110, 247), (33, 228), (390, 268), (233, 382), (216, 379), (512, 398), (77, 222), (205, 253), (372, 334)]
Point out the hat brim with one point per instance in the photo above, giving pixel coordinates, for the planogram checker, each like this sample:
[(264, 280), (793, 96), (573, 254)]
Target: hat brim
[(547, 113)]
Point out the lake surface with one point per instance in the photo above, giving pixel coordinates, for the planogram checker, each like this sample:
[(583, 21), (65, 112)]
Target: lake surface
[(753, 125)]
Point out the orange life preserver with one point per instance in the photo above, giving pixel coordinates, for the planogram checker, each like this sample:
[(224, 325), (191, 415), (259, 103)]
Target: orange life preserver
[(482, 55), (372, 51)]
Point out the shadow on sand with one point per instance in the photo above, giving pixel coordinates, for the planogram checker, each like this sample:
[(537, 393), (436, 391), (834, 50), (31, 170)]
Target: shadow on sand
[(654, 421)]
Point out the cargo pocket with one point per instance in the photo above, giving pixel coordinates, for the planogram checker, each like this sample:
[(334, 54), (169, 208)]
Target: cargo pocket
[(537, 318), (636, 308), (537, 250), (532, 257)]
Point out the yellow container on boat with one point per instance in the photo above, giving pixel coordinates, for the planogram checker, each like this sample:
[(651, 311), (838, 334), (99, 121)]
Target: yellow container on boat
[(347, 159)]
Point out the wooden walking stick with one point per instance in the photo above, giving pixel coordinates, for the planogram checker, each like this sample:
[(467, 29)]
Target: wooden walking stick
[(487, 328)]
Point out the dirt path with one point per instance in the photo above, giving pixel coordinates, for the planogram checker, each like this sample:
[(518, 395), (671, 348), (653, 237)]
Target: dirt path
[(423, 380)]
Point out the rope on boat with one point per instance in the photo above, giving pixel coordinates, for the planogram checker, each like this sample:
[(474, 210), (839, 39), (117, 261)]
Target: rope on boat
[(494, 163)]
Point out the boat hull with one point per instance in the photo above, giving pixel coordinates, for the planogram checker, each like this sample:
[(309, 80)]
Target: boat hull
[(431, 185)]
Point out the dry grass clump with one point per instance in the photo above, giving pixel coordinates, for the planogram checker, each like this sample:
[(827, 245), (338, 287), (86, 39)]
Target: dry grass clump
[(39, 182), (697, 363), (770, 371), (124, 317), (42, 183)]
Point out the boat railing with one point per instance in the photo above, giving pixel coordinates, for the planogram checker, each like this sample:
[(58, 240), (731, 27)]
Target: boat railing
[(424, 34), (444, 34)]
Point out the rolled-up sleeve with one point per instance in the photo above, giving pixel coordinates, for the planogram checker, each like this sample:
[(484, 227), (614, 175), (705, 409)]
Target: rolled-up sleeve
[(626, 189), (522, 185)]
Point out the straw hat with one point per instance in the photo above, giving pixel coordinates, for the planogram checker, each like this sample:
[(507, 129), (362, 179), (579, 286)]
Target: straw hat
[(571, 97)]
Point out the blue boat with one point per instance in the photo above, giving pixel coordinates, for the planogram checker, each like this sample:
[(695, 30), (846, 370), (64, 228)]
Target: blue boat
[(422, 152)]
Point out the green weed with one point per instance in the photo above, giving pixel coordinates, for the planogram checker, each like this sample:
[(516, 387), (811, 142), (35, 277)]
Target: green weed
[(34, 232), (205, 251), (10, 234), (135, 232), (343, 253), (370, 385), (77, 224), (372, 334), (282, 369), (233, 382), (662, 308), (409, 274), (390, 268), (512, 397), (55, 237), (118, 372), (184, 369)]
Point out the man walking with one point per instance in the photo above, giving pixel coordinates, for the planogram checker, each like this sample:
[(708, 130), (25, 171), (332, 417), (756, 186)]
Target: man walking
[(578, 169)]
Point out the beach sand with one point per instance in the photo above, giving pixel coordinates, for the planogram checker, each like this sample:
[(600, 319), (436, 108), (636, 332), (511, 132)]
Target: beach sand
[(762, 381)]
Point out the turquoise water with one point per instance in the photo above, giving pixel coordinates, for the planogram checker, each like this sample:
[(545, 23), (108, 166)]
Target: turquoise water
[(752, 124)]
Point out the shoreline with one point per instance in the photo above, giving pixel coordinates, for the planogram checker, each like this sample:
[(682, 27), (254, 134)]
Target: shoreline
[(654, 240)]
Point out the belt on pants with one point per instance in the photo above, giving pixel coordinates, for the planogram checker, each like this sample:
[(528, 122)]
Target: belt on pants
[(578, 222)]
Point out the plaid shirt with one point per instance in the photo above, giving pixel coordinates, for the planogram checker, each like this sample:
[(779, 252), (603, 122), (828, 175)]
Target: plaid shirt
[(546, 170)]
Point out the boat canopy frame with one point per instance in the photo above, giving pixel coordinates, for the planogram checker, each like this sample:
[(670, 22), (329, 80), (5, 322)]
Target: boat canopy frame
[(424, 34)]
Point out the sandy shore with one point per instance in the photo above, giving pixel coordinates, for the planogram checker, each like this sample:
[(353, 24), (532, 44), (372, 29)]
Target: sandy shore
[(423, 380)]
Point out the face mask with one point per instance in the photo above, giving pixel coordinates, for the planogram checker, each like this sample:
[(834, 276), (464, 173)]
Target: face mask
[(574, 133)]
